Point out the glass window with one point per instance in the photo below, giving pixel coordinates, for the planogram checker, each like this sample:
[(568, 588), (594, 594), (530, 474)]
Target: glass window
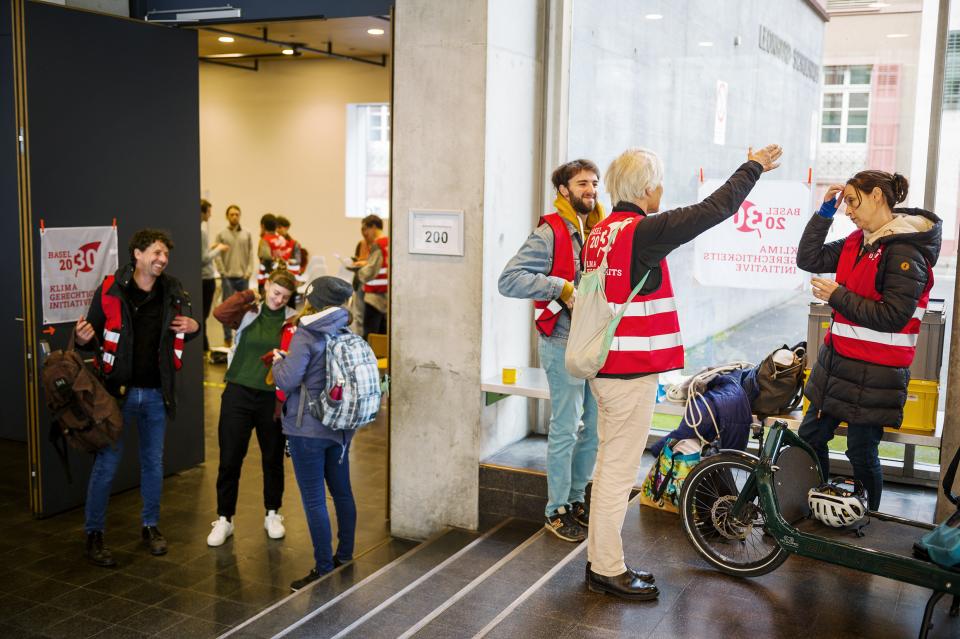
[(856, 135), (859, 75), (832, 100), (368, 160), (859, 100), (830, 134)]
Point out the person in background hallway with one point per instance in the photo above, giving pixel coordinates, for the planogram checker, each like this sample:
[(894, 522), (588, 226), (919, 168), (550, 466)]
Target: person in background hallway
[(141, 317), (235, 263), (291, 253), (360, 256), (636, 240), (207, 272), (319, 454), (884, 273), (248, 402), (547, 269), (375, 276), (269, 249)]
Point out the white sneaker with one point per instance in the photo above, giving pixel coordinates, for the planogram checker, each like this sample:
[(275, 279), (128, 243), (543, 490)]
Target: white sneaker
[(273, 524), (222, 528)]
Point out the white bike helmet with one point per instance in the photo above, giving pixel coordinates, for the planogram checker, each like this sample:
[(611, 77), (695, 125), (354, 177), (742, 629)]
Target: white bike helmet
[(838, 503)]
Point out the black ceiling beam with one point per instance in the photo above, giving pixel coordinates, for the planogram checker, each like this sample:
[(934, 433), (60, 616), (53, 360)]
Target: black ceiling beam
[(299, 46)]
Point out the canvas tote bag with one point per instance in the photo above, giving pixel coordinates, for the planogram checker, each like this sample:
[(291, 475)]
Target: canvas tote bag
[(593, 321)]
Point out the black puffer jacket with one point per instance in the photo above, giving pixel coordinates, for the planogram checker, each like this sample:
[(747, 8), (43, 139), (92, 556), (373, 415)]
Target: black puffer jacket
[(855, 391)]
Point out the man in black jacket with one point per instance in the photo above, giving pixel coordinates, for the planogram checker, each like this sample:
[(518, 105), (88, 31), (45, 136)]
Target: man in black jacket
[(138, 316)]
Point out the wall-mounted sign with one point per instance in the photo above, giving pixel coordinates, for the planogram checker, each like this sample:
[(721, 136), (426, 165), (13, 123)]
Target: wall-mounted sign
[(73, 263), (720, 115), (780, 48), (436, 232)]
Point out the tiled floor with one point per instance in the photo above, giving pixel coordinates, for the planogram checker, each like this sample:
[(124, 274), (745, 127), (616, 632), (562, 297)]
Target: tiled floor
[(48, 590)]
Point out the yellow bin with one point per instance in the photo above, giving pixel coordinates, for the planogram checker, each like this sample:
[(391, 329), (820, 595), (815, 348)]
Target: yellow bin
[(920, 410)]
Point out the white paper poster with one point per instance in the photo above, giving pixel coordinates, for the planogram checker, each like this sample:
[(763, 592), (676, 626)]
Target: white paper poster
[(757, 247), (720, 114), (73, 263)]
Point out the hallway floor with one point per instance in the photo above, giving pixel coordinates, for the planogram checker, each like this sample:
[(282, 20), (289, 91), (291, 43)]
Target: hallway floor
[(49, 590)]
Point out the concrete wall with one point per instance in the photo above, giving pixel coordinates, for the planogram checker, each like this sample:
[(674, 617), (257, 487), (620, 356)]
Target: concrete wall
[(275, 141), (638, 82), (465, 138)]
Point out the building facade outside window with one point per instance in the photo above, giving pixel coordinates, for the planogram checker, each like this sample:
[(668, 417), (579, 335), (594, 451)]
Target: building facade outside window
[(368, 160)]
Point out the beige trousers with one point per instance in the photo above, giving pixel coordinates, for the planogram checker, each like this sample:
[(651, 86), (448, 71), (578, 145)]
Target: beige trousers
[(625, 410)]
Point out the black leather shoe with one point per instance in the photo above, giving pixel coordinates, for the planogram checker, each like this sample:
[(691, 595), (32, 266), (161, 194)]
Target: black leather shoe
[(642, 575), (625, 586), (154, 540), (95, 552)]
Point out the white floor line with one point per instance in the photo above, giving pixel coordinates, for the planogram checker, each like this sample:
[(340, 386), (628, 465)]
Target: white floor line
[(413, 584), (292, 595), (537, 585), (463, 592)]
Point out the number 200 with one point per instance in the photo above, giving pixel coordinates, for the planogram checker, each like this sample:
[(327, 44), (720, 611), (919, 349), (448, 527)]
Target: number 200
[(436, 237)]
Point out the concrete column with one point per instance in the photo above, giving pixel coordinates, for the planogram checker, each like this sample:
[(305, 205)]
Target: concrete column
[(466, 137), (950, 437)]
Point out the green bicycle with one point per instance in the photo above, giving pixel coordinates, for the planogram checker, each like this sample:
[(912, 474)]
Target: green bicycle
[(745, 515)]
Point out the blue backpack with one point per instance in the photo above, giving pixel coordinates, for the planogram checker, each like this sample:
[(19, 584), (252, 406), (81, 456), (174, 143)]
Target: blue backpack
[(352, 396)]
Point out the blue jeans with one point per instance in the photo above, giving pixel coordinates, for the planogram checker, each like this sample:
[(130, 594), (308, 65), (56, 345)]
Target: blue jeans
[(229, 286), (316, 460), (863, 441), (571, 446), (145, 406)]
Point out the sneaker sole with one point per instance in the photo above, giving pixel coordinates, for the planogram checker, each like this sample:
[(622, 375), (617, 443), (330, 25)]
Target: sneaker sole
[(271, 536), (221, 543), (605, 591), (563, 537)]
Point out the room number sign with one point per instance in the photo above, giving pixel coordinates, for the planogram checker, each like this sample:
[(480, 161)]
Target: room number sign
[(436, 232)]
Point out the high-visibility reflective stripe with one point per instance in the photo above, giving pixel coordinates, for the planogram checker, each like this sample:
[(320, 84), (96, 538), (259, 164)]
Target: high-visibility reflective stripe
[(178, 353), (377, 283), (554, 307), (626, 343), (110, 336), (108, 358), (649, 307), (382, 271), (867, 335), (919, 313)]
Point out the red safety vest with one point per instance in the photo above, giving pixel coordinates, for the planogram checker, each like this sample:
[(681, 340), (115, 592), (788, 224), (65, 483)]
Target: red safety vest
[(647, 340), (856, 342), (114, 322), (381, 281), (278, 245), (546, 312)]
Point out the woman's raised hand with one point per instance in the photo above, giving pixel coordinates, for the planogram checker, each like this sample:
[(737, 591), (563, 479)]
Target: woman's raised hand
[(767, 156)]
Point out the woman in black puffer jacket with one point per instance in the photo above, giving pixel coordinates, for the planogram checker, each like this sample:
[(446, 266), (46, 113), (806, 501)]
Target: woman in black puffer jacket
[(884, 276)]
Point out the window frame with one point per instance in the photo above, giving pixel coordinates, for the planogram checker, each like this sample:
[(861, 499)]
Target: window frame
[(845, 90)]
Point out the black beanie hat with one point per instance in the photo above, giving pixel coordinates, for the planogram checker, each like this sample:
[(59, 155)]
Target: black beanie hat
[(328, 291)]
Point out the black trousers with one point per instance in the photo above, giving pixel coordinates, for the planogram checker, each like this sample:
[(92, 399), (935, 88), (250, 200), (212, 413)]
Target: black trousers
[(373, 321), (242, 410), (209, 288)]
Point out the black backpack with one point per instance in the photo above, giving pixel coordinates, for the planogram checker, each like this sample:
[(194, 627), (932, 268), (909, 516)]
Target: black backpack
[(779, 386)]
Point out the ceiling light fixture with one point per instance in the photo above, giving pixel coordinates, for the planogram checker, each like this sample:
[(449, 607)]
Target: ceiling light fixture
[(653, 16), (705, 43), (898, 35), (226, 55), (287, 51), (375, 31), (225, 39)]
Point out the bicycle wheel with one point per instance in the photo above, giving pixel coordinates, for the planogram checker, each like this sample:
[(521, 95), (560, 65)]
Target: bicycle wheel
[(742, 548)]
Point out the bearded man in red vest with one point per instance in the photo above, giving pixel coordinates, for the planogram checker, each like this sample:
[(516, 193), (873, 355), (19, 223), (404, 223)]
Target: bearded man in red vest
[(140, 318), (546, 270), (884, 273), (636, 239)]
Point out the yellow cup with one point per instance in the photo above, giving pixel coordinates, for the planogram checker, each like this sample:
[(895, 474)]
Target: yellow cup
[(509, 376)]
